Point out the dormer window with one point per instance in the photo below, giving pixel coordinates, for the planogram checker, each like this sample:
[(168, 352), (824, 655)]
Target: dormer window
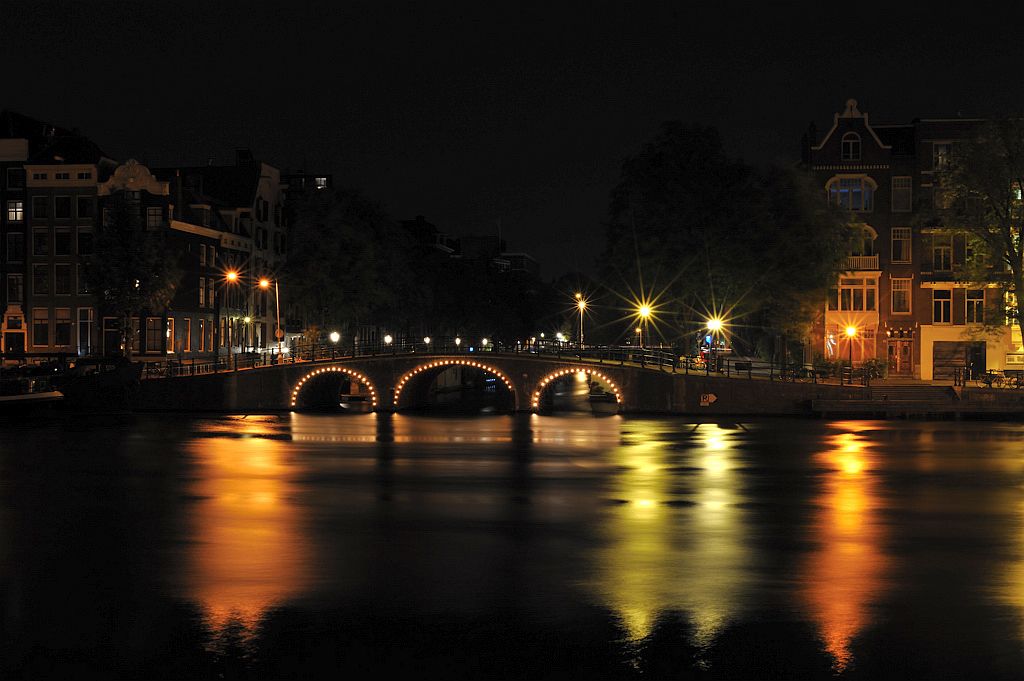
[(852, 193), (850, 150)]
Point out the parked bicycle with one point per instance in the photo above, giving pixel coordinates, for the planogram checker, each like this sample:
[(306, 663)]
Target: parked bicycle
[(995, 379)]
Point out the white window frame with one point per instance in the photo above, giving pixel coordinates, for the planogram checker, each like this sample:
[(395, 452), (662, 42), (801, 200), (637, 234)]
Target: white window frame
[(942, 150), (908, 205), (849, 147), (945, 304), (16, 210), (978, 306), (903, 235), (840, 193), (946, 247), (88, 319), (900, 284), (868, 289)]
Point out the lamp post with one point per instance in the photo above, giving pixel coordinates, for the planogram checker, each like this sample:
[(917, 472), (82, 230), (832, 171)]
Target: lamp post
[(851, 333), (645, 313), (265, 284), (230, 277), (581, 305), (714, 326), (458, 342)]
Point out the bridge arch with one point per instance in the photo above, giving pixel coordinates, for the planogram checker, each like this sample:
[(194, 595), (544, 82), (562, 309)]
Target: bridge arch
[(555, 375), (444, 363), (351, 373)]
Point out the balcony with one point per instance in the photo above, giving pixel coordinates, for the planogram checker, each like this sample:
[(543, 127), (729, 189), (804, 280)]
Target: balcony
[(861, 262)]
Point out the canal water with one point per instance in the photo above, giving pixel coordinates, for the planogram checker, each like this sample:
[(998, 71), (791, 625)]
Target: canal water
[(309, 546)]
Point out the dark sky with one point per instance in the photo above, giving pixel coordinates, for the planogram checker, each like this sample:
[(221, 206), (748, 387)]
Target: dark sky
[(473, 114)]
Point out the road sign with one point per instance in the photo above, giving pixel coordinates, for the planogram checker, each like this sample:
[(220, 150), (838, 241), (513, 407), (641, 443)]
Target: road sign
[(707, 399), (279, 334)]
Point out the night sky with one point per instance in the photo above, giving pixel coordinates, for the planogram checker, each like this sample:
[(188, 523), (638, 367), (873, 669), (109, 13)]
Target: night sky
[(476, 115)]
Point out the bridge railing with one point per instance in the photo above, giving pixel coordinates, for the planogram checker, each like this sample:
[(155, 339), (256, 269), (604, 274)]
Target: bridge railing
[(660, 359)]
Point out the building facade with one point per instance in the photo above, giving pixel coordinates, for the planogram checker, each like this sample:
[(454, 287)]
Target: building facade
[(906, 294)]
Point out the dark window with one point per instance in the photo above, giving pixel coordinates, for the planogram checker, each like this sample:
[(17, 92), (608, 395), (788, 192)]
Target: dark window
[(15, 178), (62, 242), (86, 207), (15, 247), (41, 280), (40, 242), (62, 207), (84, 242), (62, 327), (85, 176), (40, 327), (15, 288), (40, 206), (62, 280)]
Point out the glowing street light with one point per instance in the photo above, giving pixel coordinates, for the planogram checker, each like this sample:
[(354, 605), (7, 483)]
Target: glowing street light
[(483, 342), (581, 305), (388, 339), (458, 342), (335, 336), (851, 333), (426, 340), (644, 311), (230, 277), (278, 333), (714, 326)]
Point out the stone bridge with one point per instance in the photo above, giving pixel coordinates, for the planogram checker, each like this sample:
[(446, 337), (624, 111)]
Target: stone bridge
[(396, 382), (400, 381)]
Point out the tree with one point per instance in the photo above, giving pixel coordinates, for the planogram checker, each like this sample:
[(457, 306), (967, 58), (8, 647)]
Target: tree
[(349, 263), (982, 188), (707, 235), (131, 271)]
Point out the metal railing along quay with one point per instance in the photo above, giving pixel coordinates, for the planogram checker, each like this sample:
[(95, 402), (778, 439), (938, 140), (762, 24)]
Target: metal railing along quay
[(657, 359)]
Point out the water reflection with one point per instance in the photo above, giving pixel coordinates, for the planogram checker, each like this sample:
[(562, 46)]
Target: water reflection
[(844, 575), (249, 552), (676, 538)]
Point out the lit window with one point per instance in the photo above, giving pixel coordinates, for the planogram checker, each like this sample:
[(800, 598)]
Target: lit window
[(858, 294), (852, 193), (941, 155), (320, 182), (15, 211)]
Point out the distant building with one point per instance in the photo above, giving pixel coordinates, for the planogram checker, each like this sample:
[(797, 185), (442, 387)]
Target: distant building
[(905, 289)]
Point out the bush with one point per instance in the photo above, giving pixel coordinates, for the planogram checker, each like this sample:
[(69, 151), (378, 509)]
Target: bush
[(876, 368)]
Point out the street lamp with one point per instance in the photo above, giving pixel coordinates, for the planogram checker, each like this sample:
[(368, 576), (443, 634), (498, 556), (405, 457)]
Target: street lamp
[(278, 333), (714, 326), (230, 277), (851, 333), (645, 314), (581, 305), (458, 342), (335, 336)]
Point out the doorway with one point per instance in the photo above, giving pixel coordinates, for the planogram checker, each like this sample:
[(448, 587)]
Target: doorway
[(901, 357)]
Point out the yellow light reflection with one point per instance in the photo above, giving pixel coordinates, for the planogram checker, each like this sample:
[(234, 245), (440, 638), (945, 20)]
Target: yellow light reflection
[(843, 577), (669, 550), (249, 553)]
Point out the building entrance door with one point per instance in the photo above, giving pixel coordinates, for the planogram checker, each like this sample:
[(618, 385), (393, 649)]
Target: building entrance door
[(901, 357)]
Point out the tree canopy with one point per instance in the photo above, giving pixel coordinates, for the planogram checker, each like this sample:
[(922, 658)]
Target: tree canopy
[(130, 271), (697, 234), (982, 187)]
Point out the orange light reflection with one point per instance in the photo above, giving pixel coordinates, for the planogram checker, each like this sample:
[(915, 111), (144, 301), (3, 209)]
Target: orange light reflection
[(249, 553), (844, 576)]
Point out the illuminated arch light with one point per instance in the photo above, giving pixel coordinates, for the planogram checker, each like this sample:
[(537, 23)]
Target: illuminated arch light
[(535, 399), (449, 362), (363, 380)]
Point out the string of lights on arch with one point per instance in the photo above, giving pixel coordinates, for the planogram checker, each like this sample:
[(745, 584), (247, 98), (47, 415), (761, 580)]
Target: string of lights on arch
[(535, 401), (338, 370), (449, 362)]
